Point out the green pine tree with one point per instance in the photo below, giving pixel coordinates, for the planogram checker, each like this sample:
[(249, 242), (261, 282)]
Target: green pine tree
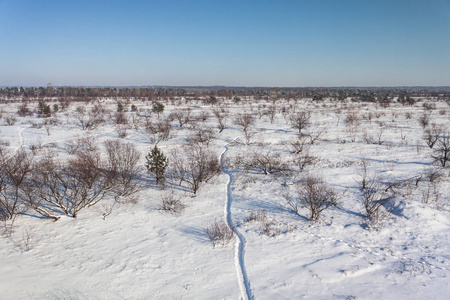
[(157, 163), (158, 108), (119, 106)]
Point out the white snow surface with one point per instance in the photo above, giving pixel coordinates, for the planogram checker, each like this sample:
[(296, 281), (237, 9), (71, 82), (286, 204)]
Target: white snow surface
[(142, 252)]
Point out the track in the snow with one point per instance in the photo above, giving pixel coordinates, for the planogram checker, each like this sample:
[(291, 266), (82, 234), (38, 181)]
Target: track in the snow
[(244, 283)]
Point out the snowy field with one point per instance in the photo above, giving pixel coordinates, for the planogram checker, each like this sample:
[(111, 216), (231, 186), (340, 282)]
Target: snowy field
[(131, 248)]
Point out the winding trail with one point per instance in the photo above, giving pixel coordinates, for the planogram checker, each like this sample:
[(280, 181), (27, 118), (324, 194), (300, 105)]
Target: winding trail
[(20, 129), (239, 262)]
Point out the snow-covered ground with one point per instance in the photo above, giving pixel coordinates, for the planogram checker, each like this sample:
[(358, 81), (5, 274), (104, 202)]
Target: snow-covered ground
[(141, 252)]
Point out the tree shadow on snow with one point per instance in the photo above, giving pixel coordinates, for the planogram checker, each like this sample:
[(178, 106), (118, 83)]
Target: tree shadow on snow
[(351, 212), (196, 233)]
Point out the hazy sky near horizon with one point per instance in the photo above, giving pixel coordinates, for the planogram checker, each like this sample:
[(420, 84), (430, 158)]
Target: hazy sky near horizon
[(233, 43)]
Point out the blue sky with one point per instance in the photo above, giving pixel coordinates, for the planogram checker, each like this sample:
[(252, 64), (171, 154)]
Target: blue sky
[(233, 43)]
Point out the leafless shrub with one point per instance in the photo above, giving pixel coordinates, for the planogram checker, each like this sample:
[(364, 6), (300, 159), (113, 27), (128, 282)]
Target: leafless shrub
[(442, 112), (90, 120), (81, 183), (292, 202), (431, 194), (171, 204), (3, 145), (81, 143), (366, 137), (201, 136), (136, 121), (432, 134), (296, 146), (352, 132), (121, 130), (122, 166), (257, 216), (408, 115), (219, 233), (424, 119), (379, 135), (429, 106), (23, 110), (374, 195), (183, 116), (352, 118), (36, 146), (48, 123), (10, 120), (314, 136), (177, 163), (434, 174), (28, 238), (304, 159), (159, 131), (412, 267), (313, 194), (109, 206), (265, 225), (268, 162), (120, 118), (368, 117)]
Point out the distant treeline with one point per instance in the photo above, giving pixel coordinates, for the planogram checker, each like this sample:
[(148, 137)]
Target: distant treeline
[(152, 93)]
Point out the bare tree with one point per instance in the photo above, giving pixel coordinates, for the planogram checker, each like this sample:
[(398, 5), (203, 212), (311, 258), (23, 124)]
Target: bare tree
[(13, 174), (245, 121), (432, 134), (90, 120), (183, 116), (177, 164), (300, 120), (220, 116), (442, 150), (271, 111), (204, 116), (199, 166), (268, 162)]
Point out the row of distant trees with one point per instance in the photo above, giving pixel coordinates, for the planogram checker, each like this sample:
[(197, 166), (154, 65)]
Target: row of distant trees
[(87, 93)]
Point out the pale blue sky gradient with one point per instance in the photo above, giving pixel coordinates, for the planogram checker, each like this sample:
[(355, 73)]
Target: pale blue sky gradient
[(233, 43)]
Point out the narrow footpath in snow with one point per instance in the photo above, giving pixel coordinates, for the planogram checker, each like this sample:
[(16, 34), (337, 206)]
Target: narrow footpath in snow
[(241, 271)]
